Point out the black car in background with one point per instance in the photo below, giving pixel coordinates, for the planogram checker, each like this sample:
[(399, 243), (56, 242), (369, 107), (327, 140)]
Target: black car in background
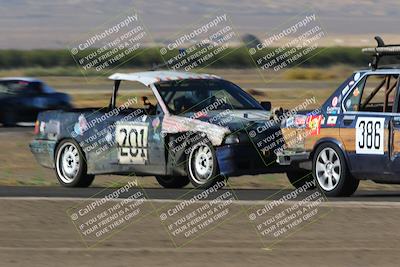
[(21, 99)]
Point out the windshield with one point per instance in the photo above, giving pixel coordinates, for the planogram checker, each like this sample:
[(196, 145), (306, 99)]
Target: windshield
[(194, 95)]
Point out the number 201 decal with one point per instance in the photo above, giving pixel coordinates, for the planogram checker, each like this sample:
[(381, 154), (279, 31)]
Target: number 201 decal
[(132, 142), (370, 135)]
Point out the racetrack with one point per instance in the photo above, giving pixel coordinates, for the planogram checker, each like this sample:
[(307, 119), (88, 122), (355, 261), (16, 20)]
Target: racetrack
[(35, 229), (38, 232), (186, 193)]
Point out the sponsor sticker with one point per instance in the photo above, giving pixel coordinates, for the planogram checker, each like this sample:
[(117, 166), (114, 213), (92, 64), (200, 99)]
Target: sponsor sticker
[(333, 110), (300, 120), (348, 103), (42, 126), (52, 127), (345, 90), (81, 126), (357, 76), (314, 124), (290, 122), (356, 92), (331, 121), (334, 101)]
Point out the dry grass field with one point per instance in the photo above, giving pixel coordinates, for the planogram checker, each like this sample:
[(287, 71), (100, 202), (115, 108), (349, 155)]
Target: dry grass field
[(18, 167)]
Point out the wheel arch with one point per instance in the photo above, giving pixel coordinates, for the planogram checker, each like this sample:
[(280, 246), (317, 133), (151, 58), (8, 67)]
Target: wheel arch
[(334, 141), (58, 142), (180, 155)]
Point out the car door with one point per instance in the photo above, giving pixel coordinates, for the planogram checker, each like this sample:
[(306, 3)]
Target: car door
[(365, 127), (138, 145), (394, 149)]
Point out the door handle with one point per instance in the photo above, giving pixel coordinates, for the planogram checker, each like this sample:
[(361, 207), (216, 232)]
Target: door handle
[(348, 120)]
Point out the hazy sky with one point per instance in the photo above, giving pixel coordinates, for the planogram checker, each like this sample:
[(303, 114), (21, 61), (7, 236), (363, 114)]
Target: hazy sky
[(56, 23)]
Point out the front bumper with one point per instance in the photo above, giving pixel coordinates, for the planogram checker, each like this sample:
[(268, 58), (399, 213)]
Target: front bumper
[(43, 150), (245, 159)]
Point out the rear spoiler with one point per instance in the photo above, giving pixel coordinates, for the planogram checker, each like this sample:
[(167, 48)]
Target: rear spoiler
[(380, 51)]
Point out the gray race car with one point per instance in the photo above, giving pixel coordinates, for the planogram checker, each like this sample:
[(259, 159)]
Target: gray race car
[(194, 128)]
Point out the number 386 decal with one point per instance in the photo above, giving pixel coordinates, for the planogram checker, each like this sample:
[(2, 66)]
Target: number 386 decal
[(370, 135), (131, 139)]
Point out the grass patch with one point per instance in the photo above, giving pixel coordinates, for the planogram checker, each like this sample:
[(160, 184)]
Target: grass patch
[(331, 73)]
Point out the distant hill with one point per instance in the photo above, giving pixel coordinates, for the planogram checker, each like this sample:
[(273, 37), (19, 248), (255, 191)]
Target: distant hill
[(27, 24)]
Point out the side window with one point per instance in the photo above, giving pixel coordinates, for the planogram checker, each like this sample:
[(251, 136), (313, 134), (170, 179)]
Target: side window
[(133, 95), (373, 93), (128, 96)]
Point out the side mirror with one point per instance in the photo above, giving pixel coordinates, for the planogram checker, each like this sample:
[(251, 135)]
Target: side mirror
[(145, 99), (266, 105)]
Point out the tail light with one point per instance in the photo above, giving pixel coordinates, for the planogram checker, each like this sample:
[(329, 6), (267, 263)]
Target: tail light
[(36, 130)]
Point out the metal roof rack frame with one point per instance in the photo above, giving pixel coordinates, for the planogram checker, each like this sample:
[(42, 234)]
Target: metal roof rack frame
[(380, 51)]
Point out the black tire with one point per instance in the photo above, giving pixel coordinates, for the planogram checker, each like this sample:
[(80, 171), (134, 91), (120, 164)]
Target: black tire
[(75, 176), (300, 178), (8, 119), (206, 174), (344, 184), (173, 181)]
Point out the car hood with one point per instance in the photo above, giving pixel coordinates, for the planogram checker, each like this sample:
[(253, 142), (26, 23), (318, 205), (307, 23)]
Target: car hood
[(231, 119), (216, 124)]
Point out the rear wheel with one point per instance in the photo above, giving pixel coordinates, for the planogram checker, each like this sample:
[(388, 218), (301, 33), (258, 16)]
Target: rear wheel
[(71, 168), (300, 178), (8, 119), (331, 173), (173, 181)]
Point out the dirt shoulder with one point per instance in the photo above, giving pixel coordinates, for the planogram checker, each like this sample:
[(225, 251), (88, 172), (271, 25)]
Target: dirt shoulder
[(39, 233)]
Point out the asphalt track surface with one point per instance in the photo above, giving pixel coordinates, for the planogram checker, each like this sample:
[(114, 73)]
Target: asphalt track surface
[(175, 194), (172, 194)]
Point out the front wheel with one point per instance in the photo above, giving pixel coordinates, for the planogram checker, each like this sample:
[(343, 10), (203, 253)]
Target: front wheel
[(331, 173), (301, 178), (71, 168), (173, 181), (202, 165)]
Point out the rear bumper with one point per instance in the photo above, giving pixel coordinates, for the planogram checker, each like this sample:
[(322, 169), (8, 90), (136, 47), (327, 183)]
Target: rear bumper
[(43, 150), (288, 157), (244, 159)]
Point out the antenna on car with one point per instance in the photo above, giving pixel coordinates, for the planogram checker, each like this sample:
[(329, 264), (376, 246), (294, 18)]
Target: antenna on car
[(380, 51)]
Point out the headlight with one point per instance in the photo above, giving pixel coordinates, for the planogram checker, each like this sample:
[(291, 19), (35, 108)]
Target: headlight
[(232, 139)]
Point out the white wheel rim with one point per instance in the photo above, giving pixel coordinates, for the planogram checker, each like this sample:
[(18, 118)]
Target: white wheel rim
[(328, 169), (201, 164), (67, 163)]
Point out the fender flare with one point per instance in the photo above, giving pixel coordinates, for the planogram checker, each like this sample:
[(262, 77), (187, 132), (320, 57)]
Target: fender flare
[(333, 141)]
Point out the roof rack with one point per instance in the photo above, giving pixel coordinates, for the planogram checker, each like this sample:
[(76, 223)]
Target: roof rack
[(381, 50)]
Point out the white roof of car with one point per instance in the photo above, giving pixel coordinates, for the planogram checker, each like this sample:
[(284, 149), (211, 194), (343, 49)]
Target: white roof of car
[(150, 77)]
